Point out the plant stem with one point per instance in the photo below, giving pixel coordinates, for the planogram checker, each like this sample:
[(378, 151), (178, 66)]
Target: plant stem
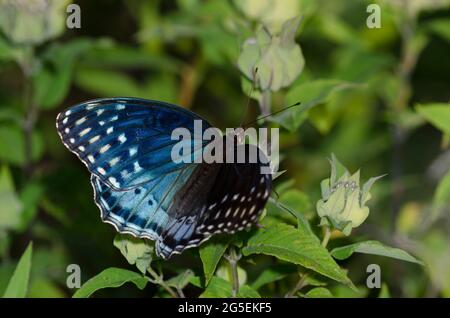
[(408, 61), (301, 282), (31, 110), (233, 258), (266, 102), (158, 279), (326, 236)]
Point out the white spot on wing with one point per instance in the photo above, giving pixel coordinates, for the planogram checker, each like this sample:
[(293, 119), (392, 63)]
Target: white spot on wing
[(90, 106), (109, 130), (133, 151), (122, 138), (80, 121), (101, 170), (137, 167), (91, 158), (65, 120), (94, 139), (105, 148), (112, 162), (85, 131)]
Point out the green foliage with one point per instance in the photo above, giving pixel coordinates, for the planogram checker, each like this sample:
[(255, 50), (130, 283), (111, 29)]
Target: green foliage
[(211, 254), (110, 278), (18, 284), (374, 248), (11, 206), (436, 114), (136, 251), (296, 246), (220, 288), (310, 94), (319, 292)]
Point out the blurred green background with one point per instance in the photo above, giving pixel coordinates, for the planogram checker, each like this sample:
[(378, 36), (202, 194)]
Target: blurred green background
[(379, 100)]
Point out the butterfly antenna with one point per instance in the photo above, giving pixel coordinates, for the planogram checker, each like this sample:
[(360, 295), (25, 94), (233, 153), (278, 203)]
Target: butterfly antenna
[(271, 114), (250, 93)]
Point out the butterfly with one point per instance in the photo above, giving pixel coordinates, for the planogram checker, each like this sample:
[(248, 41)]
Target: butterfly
[(126, 145)]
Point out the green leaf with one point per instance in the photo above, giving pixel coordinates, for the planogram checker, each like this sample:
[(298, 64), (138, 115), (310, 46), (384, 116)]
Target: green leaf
[(220, 288), (117, 56), (211, 253), (217, 288), (374, 248), (438, 114), (246, 291), (302, 222), (442, 192), (107, 83), (310, 94), (272, 274), (45, 288), (110, 278), (135, 250), (295, 246), (18, 284), (224, 272), (319, 292), (181, 280), (12, 145), (53, 80), (441, 27), (10, 207), (30, 196)]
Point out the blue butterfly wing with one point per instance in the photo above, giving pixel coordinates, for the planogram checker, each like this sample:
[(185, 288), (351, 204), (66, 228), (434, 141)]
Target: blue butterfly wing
[(143, 210), (127, 142), (219, 198), (126, 145)]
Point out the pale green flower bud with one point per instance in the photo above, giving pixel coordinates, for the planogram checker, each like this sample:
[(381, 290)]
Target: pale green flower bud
[(343, 203)]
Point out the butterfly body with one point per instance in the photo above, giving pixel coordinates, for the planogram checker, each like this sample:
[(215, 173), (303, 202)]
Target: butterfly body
[(126, 144)]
